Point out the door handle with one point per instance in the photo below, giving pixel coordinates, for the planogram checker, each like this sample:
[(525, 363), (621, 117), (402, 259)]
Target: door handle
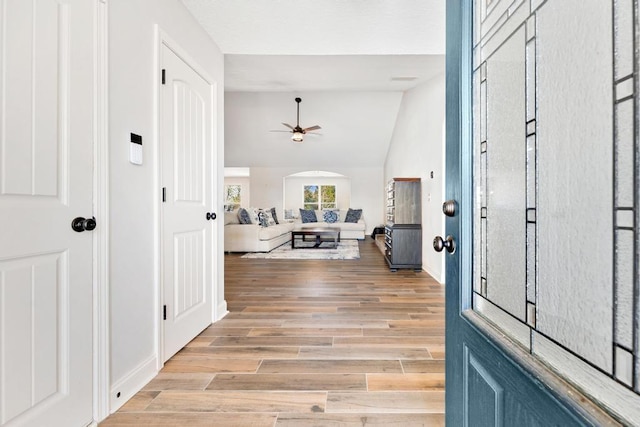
[(81, 224), (211, 216), (439, 244), (449, 208)]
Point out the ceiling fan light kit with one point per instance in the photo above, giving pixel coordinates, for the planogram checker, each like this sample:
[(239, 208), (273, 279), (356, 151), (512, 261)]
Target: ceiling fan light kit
[(297, 131), (297, 137)]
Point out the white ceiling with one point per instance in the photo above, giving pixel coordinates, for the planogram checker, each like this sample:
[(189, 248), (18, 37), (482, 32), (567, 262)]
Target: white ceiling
[(332, 53)]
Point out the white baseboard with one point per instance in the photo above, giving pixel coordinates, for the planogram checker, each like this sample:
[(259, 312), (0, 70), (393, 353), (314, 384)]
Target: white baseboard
[(438, 277), (124, 389), (221, 311)]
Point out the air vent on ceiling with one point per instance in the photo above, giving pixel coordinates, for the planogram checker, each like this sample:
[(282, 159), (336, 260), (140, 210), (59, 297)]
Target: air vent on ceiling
[(403, 79)]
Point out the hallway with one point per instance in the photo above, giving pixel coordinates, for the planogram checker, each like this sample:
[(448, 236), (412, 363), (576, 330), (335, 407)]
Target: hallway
[(308, 343)]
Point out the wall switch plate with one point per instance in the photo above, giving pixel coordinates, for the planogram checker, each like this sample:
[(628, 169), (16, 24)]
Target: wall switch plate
[(135, 149)]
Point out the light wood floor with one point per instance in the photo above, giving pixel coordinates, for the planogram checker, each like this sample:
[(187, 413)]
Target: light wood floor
[(308, 343)]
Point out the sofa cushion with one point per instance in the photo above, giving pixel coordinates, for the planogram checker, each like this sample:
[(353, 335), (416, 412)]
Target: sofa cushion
[(308, 215), (231, 218), (268, 233), (353, 215), (243, 216), (330, 216)]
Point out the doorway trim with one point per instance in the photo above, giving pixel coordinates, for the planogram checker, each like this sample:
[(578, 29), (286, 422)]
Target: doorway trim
[(101, 265)]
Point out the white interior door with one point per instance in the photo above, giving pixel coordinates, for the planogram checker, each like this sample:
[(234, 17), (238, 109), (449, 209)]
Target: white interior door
[(46, 180), (187, 181)]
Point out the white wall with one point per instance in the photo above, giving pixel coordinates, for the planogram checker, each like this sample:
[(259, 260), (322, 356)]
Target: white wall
[(366, 190), (134, 193), (417, 149)]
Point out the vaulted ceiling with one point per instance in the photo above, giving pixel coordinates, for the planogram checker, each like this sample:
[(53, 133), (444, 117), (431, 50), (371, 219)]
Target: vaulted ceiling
[(349, 61)]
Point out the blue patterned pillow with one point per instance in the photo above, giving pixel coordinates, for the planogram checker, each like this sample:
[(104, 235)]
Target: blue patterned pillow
[(330, 216), (308, 215), (243, 216), (353, 215), (273, 214), (263, 218)]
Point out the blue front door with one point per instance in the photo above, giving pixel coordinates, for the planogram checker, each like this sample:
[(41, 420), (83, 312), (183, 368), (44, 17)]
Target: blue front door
[(545, 227)]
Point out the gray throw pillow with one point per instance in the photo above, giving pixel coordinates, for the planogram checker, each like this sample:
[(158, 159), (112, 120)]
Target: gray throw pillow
[(353, 215), (308, 215), (243, 216), (273, 214)]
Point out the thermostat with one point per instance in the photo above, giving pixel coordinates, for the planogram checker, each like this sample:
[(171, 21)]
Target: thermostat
[(135, 149)]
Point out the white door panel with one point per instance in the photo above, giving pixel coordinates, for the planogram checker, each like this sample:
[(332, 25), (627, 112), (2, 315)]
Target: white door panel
[(187, 177), (46, 172)]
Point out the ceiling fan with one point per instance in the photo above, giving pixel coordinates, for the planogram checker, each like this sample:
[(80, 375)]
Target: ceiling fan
[(297, 131)]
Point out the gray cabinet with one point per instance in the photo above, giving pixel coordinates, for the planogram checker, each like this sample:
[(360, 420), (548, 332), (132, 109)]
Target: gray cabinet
[(403, 231)]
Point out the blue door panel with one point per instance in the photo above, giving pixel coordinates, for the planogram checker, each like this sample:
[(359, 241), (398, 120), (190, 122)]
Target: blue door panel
[(485, 386)]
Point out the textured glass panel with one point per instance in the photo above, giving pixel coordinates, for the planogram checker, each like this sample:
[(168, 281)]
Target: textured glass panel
[(575, 182), (531, 81), (624, 154), (495, 15), (483, 111), (623, 17), (483, 249), (477, 183), (531, 171), (624, 218), (531, 263), (506, 177), (483, 180), (624, 366), (504, 29), (624, 288), (531, 27), (624, 89), (531, 314)]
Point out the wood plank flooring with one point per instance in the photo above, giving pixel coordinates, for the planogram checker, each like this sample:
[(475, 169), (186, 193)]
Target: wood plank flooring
[(308, 343)]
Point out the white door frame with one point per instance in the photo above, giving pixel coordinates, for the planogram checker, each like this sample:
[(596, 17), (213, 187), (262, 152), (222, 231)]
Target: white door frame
[(101, 342), (162, 38)]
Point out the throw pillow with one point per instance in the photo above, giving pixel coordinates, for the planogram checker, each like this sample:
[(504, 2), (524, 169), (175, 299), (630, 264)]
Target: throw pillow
[(270, 219), (243, 216), (308, 215), (253, 214), (231, 218), (263, 220), (353, 215), (330, 216), (275, 217)]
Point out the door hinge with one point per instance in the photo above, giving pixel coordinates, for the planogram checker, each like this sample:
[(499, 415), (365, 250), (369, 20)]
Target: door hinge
[(164, 194), (164, 76), (164, 312)]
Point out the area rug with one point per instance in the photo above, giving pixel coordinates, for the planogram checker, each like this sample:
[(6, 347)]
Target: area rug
[(347, 249)]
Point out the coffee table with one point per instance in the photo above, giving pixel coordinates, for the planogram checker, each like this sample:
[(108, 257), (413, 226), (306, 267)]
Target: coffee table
[(319, 233)]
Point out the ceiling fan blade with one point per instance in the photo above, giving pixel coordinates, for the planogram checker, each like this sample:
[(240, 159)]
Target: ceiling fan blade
[(286, 131), (289, 126), (316, 127)]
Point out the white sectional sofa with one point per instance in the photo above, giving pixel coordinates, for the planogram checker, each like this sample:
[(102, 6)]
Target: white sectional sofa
[(348, 230), (255, 238)]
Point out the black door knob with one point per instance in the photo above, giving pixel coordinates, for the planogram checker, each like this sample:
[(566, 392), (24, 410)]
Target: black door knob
[(211, 215), (439, 244), (80, 224), (90, 224)]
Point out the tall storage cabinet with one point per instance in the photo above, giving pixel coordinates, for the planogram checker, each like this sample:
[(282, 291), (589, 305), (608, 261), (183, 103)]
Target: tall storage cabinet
[(403, 231)]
